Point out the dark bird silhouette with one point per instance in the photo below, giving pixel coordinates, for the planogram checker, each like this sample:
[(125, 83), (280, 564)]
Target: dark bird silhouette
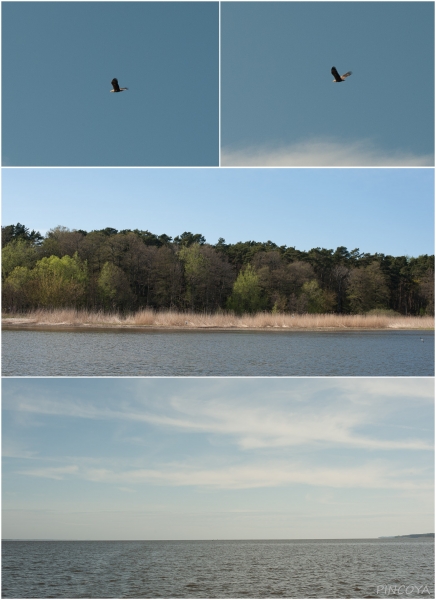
[(339, 78), (116, 87)]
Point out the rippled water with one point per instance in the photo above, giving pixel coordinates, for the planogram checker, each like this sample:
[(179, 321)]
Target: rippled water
[(220, 569), (179, 353)]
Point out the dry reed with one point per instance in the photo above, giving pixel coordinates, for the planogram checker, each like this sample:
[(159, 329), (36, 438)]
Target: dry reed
[(173, 319)]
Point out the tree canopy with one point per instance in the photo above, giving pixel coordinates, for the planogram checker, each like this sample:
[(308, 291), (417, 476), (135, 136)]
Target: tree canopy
[(126, 270)]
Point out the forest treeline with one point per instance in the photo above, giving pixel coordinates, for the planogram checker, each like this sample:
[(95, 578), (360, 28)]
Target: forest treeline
[(133, 269)]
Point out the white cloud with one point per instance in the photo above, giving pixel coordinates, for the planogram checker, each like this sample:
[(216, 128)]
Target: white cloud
[(278, 426), (374, 389), (13, 449), (271, 474), (260, 415), (322, 153), (52, 472)]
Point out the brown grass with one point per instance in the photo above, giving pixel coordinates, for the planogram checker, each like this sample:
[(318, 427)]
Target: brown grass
[(173, 319)]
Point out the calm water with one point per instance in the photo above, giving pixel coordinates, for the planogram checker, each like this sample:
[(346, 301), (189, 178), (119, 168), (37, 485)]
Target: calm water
[(175, 353), (221, 569)]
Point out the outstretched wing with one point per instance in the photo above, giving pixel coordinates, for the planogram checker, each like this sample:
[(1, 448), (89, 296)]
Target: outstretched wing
[(336, 74), (115, 85), (346, 75)]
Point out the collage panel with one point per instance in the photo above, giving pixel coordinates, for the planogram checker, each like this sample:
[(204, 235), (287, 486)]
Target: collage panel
[(312, 276), (217, 488), (61, 60), (218, 299), (278, 104)]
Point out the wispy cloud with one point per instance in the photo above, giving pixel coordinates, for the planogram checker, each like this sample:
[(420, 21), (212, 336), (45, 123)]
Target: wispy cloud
[(375, 390), (224, 434), (268, 426), (322, 153), (52, 472), (375, 474), (259, 415), (13, 449)]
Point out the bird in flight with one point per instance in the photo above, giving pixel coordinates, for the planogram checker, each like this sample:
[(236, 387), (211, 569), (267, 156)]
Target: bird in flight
[(116, 87), (338, 78)]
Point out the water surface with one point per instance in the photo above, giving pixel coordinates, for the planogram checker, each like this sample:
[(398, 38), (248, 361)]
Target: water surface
[(220, 569), (127, 352)]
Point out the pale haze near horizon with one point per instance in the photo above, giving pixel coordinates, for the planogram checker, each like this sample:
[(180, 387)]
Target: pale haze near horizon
[(217, 458), (389, 211)]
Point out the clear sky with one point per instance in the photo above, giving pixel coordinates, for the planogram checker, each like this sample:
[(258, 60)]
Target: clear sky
[(280, 107), (390, 211), (217, 458), (59, 59)]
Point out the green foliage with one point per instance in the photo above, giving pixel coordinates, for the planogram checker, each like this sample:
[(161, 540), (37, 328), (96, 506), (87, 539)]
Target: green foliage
[(276, 308), (194, 261), (150, 239), (368, 289), (19, 278), (195, 269), (16, 293), (246, 294), (108, 231), (20, 232), (187, 239), (316, 300), (114, 287), (130, 269), (59, 282), (18, 253)]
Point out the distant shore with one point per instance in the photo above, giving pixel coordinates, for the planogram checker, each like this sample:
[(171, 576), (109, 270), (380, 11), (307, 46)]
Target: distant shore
[(411, 535), (173, 320)]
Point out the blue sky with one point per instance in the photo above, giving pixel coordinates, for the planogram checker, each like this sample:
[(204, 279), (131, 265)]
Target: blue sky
[(280, 107), (59, 59), (390, 211), (217, 458)]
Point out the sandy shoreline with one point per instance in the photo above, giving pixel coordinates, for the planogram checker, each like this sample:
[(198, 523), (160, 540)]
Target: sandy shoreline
[(29, 324)]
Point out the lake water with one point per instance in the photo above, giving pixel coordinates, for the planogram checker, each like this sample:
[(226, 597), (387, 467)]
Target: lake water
[(219, 569), (178, 353), (195, 353)]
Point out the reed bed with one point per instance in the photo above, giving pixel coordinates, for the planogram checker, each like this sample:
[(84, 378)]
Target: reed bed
[(173, 319)]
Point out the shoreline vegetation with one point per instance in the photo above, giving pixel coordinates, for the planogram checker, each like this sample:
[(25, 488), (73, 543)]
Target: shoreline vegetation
[(172, 319), (136, 272)]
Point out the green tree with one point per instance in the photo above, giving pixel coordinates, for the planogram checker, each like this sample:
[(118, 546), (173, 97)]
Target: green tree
[(187, 239), (60, 241), (114, 289), (18, 253), (426, 292), (316, 300), (60, 282), (195, 269), (20, 232), (166, 279), (16, 293), (368, 289), (246, 295)]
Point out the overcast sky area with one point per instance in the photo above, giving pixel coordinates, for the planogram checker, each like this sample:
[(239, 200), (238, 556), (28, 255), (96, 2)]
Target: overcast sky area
[(217, 458), (389, 211), (59, 59), (280, 107)]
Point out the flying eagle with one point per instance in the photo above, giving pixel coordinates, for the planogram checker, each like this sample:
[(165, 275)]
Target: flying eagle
[(116, 87), (338, 78)]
